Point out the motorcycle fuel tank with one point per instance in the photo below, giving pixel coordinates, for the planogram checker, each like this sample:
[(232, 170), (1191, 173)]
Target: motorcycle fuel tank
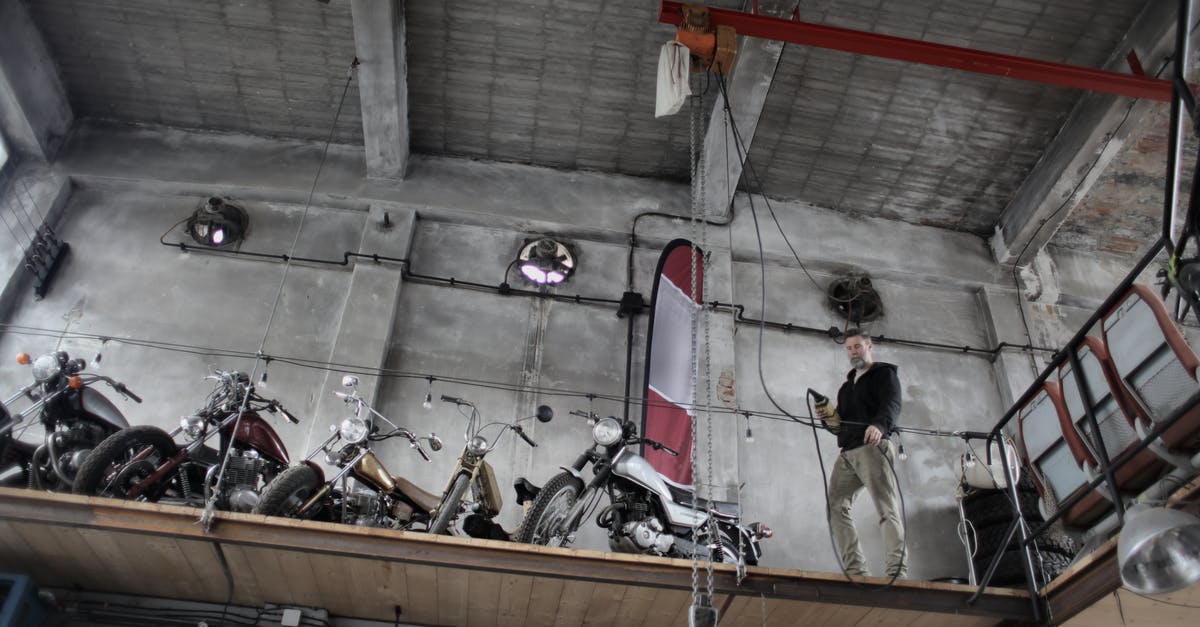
[(257, 433), (371, 471), (99, 406), (635, 468)]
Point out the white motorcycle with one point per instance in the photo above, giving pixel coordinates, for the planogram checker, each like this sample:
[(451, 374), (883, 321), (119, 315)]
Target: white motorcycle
[(646, 512)]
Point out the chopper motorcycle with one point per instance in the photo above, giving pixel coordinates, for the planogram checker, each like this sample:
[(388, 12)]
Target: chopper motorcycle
[(474, 472), (145, 463), (75, 417), (377, 498), (646, 513)]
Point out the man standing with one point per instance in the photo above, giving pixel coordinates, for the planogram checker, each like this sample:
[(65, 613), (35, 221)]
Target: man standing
[(869, 405)]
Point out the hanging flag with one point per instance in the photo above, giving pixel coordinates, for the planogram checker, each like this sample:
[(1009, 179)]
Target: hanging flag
[(670, 381)]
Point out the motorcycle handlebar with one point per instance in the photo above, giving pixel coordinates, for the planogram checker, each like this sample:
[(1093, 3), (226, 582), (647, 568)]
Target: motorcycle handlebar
[(658, 446), (120, 387), (582, 414), (521, 432), (421, 450)]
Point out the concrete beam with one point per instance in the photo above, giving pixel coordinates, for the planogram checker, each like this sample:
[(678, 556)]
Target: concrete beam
[(379, 42), (34, 112), (1091, 137), (748, 86)]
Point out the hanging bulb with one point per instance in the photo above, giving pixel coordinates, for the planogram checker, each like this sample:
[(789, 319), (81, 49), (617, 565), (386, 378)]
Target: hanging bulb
[(263, 379), (968, 461), (903, 455), (749, 435), (428, 402)]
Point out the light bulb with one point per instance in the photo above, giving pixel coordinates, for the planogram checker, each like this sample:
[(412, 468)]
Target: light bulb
[(749, 435), (428, 404)]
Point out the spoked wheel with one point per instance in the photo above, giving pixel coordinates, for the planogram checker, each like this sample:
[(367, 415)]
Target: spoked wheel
[(123, 461), (449, 507), (288, 491), (543, 524)]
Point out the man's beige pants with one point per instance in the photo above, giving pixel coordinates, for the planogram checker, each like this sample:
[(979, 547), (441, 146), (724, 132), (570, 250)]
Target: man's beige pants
[(867, 467)]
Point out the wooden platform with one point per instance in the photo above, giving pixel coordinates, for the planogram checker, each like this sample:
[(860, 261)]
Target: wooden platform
[(104, 545)]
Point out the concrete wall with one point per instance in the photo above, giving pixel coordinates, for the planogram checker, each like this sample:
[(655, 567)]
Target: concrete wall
[(132, 185)]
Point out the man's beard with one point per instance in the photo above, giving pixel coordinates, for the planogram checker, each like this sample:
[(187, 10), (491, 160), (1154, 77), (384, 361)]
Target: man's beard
[(858, 362)]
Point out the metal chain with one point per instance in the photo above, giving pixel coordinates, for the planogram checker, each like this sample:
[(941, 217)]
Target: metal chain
[(708, 444), (693, 155)]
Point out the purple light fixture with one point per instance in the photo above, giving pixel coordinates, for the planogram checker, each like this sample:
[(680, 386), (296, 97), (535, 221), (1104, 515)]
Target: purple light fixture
[(545, 261)]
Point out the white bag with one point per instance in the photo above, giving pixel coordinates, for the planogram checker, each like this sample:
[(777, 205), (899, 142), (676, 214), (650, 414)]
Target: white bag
[(673, 88)]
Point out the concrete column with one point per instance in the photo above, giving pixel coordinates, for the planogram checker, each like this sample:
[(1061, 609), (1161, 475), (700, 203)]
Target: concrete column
[(365, 329), (379, 42), (1015, 369), (34, 112), (748, 86)]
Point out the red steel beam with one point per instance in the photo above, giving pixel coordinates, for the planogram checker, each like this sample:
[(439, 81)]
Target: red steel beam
[(916, 51)]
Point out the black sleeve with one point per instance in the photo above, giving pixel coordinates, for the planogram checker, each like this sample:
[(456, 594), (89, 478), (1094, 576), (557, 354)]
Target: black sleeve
[(889, 402)]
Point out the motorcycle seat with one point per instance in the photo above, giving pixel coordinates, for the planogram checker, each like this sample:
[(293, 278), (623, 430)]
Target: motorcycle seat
[(686, 496), (425, 500), (206, 455)]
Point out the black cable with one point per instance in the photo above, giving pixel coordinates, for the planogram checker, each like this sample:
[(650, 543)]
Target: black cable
[(739, 146)]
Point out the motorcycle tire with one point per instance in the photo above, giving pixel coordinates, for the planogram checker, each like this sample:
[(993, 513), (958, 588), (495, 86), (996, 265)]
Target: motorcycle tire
[(1048, 564), (111, 459), (449, 507), (990, 537), (288, 491), (994, 508), (555, 499)]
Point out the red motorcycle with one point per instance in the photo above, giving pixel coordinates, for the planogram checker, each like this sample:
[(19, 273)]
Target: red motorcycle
[(145, 463)]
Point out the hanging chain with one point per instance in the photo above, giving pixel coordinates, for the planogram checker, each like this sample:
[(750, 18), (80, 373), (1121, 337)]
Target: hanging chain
[(713, 532), (693, 159)]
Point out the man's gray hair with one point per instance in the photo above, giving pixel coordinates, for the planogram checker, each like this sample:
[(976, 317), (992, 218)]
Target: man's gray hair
[(856, 333)]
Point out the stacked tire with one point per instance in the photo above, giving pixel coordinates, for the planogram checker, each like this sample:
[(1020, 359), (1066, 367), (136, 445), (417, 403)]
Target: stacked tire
[(990, 514)]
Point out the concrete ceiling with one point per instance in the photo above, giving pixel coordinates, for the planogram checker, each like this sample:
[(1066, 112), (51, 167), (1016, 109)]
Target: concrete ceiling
[(571, 84)]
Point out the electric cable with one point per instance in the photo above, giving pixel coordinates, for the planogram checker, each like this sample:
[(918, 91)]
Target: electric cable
[(739, 147)]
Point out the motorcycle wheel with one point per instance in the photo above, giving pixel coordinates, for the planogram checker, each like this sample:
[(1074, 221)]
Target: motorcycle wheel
[(449, 506), (110, 470), (288, 491), (548, 510)]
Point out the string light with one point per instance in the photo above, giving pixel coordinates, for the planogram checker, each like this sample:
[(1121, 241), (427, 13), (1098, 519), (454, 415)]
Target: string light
[(428, 403)]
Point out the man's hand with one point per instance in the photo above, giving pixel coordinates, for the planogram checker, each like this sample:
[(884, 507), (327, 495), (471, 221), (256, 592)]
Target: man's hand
[(823, 412), (873, 435)]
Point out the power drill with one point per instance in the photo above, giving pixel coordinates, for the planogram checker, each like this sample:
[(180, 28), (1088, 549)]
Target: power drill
[(821, 402)]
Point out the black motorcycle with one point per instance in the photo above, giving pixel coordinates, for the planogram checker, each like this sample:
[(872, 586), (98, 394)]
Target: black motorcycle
[(74, 416)]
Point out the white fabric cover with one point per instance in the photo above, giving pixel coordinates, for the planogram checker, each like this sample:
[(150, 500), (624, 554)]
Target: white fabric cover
[(673, 88)]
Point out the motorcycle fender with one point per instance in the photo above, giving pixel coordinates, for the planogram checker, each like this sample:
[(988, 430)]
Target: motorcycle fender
[(574, 473), (316, 468), (98, 405), (636, 469)]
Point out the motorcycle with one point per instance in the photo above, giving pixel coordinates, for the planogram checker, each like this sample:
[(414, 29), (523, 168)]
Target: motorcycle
[(646, 513), (379, 500), (145, 463), (75, 417), (473, 471)]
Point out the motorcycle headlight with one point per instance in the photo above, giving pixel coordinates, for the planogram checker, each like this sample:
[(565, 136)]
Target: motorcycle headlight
[(607, 432), (477, 445), (192, 425), (354, 429), (45, 368)]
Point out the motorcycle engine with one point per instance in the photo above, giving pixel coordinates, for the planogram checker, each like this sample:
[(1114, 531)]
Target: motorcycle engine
[(242, 479), (640, 536), (366, 508), (74, 444)]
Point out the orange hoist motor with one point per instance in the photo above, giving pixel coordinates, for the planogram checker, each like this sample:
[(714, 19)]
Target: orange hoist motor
[(712, 48)]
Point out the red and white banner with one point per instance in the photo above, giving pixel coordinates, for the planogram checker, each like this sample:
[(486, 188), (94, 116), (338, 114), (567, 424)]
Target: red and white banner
[(670, 382)]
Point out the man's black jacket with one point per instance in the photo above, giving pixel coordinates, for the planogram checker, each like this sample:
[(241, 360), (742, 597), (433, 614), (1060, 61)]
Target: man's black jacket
[(873, 399)]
